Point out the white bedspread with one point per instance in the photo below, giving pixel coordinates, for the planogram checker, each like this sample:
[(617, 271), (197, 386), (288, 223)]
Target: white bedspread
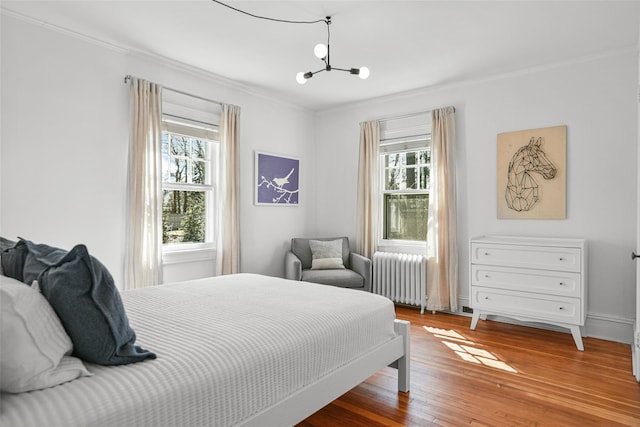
[(227, 347)]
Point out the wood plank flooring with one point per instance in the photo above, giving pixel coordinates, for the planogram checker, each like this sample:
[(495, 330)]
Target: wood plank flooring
[(498, 375)]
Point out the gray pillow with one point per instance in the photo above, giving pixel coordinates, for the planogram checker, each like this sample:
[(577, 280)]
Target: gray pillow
[(326, 254), (39, 258), (25, 260), (82, 292), (13, 258), (6, 244)]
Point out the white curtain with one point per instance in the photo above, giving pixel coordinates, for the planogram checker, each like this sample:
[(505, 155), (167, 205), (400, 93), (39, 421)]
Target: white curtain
[(367, 194), (143, 252), (442, 251), (228, 230)]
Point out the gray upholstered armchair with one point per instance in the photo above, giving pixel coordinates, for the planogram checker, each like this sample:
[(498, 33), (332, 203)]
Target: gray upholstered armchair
[(356, 273)]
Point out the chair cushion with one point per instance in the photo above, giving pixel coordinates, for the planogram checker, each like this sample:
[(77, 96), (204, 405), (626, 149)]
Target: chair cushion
[(341, 278), (300, 247)]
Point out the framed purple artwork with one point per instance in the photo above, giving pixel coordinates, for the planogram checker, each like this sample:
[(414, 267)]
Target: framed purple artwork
[(277, 180)]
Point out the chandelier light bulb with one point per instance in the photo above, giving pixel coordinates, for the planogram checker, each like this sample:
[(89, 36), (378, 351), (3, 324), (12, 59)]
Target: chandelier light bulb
[(364, 73), (300, 78), (320, 51)]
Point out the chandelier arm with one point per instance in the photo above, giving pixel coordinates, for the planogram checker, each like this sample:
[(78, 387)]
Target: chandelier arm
[(342, 69)]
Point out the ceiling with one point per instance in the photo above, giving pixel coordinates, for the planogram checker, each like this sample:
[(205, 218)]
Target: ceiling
[(406, 44)]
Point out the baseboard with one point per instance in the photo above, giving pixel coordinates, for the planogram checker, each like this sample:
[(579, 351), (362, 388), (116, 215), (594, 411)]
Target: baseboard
[(602, 326), (609, 328)]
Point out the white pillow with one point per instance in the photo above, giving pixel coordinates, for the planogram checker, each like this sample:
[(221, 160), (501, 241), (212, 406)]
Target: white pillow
[(326, 254), (34, 347)]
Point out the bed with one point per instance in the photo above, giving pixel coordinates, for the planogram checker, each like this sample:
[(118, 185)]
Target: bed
[(242, 349)]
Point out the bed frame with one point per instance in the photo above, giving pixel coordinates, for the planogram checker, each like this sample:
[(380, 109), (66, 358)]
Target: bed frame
[(306, 401), (81, 404)]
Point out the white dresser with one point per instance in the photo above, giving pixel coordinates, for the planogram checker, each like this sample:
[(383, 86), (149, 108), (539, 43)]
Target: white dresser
[(530, 279)]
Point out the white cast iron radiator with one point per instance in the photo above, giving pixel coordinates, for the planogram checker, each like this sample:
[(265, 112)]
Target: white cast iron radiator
[(401, 277)]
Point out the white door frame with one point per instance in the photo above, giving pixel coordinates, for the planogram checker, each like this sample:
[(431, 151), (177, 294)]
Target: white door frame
[(636, 332)]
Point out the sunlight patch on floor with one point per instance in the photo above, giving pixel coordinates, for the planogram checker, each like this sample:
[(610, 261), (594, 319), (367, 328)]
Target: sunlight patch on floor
[(447, 334), (466, 349)]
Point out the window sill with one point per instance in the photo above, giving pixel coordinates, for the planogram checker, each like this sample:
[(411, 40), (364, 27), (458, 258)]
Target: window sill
[(185, 255), (404, 247)]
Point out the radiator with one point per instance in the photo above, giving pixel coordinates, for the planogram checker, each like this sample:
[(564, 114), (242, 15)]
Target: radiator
[(400, 277)]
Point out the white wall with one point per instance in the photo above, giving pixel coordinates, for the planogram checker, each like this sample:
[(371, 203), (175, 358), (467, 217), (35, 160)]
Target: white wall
[(65, 127), (64, 144), (594, 98)]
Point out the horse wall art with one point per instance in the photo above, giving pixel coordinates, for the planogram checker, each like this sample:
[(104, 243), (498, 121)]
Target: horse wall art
[(531, 174), (522, 188)]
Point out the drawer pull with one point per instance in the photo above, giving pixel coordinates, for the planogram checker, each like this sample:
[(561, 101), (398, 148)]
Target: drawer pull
[(561, 284), (487, 254), (486, 276), (561, 259), (561, 308)]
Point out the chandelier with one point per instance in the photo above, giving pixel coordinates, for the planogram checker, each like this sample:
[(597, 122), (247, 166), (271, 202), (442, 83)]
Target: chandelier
[(323, 53)]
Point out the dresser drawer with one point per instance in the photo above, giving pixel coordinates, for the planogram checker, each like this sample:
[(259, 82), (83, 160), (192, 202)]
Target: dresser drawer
[(522, 279), (534, 257), (523, 304)]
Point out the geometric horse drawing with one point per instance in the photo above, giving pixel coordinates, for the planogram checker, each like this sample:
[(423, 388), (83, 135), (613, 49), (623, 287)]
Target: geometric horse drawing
[(522, 190)]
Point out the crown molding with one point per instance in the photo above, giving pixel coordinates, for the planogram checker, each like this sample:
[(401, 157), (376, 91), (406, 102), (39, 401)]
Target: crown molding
[(427, 90), (159, 60), (43, 24)]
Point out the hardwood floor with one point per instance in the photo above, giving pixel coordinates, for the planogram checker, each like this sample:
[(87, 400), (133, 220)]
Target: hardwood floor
[(498, 375)]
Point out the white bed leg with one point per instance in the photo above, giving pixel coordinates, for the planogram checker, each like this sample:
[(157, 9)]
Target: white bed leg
[(403, 327)]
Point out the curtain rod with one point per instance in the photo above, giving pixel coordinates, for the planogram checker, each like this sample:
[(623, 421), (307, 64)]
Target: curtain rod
[(129, 77), (405, 116)]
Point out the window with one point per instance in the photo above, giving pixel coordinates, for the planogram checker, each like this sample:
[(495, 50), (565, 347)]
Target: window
[(405, 194), (189, 158), (405, 164)]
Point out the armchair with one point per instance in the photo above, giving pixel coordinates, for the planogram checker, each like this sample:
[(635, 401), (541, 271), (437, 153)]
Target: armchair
[(356, 273)]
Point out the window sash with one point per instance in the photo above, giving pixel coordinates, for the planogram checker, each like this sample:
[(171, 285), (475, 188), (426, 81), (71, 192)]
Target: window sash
[(415, 168), (186, 158), (393, 225)]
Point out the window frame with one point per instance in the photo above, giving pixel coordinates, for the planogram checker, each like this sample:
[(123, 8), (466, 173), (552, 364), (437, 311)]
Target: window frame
[(194, 251), (392, 146)]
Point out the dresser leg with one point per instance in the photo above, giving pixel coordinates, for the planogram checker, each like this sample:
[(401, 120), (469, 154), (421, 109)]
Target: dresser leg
[(474, 319), (577, 337)]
